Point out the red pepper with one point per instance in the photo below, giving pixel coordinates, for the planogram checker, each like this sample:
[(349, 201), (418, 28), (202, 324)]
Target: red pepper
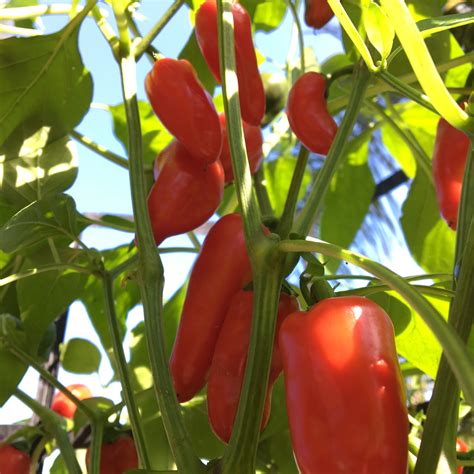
[(64, 406), (251, 91), (13, 461), (344, 392), (230, 358), (221, 269), (317, 13), (185, 108), (253, 143), (461, 447), (117, 457), (449, 159), (308, 114), (185, 194)]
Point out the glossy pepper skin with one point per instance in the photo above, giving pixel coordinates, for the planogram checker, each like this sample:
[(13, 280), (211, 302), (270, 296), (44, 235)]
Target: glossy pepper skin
[(117, 457), (344, 392), (221, 269), (251, 91), (308, 114), (230, 358), (185, 108), (185, 194), (65, 407), (253, 142), (449, 160), (13, 461), (317, 13)]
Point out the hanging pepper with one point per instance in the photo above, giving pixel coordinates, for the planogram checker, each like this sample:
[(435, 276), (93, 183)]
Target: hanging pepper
[(317, 13), (344, 392)]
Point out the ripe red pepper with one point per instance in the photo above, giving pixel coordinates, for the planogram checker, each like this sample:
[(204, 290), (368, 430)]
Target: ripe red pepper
[(185, 108), (221, 269), (117, 457), (308, 114), (317, 13), (251, 91), (13, 461), (185, 194), (230, 358), (449, 159), (253, 143), (345, 397), (65, 407)]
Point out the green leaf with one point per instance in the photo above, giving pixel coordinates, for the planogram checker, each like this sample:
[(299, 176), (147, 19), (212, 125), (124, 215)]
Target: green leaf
[(39, 169), (54, 216), (430, 240), (126, 296), (80, 356), (43, 84), (155, 137), (269, 14), (59, 466), (379, 29), (98, 405), (349, 195), (278, 175), (414, 340), (193, 54)]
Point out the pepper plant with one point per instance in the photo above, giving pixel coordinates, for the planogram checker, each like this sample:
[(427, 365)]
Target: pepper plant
[(287, 223)]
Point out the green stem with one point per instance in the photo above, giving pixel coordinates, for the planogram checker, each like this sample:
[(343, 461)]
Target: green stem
[(240, 165), (406, 90), (122, 368), (423, 289), (423, 65), (296, 19), (55, 425), (286, 221), (151, 278), (241, 453), (99, 149), (19, 31), (353, 34), (459, 359), (262, 193), (334, 105), (336, 153), (157, 28), (423, 161), (194, 240), (106, 29), (97, 428), (34, 11)]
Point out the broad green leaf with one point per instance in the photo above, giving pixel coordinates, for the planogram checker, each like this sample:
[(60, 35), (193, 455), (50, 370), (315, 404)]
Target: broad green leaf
[(269, 14), (193, 54), (278, 175), (126, 296), (98, 405), (349, 195), (43, 84), (379, 29), (139, 360), (54, 216), (415, 342), (430, 240), (39, 169), (155, 137), (80, 356)]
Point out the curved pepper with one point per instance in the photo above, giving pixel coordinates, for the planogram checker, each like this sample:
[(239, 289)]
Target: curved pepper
[(253, 144), (185, 108), (221, 269), (13, 461), (230, 358), (251, 91), (449, 160), (185, 195), (344, 392), (117, 457), (317, 13), (308, 114)]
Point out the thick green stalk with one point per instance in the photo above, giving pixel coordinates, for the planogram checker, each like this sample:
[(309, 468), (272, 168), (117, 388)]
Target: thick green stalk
[(441, 293), (151, 277), (55, 425), (423, 65), (310, 210), (97, 429), (459, 359), (122, 368), (262, 193), (296, 19)]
